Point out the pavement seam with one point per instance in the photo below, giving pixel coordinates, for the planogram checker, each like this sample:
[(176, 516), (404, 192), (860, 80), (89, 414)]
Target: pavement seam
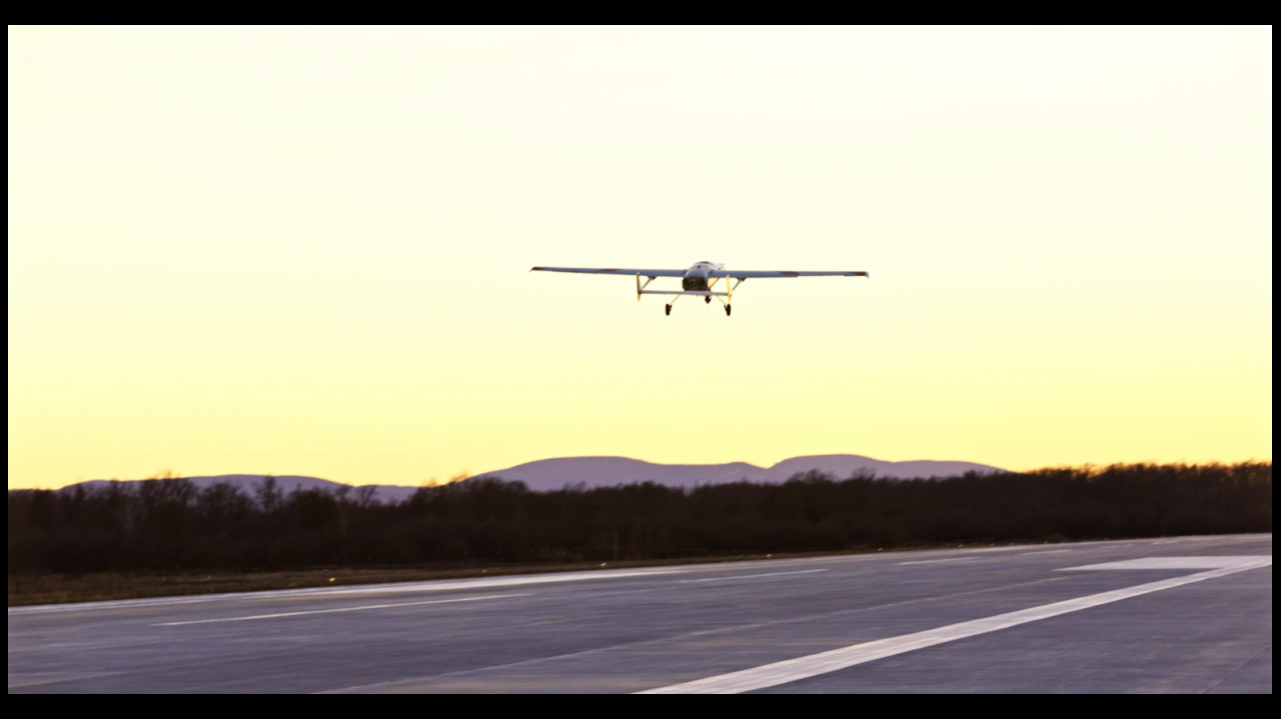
[(1234, 671)]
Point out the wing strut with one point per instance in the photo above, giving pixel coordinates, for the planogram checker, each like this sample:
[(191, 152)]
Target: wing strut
[(639, 287)]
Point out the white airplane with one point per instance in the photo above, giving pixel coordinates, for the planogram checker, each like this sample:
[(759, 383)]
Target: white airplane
[(698, 280)]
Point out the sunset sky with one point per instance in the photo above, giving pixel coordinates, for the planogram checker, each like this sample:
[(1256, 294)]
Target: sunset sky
[(305, 251)]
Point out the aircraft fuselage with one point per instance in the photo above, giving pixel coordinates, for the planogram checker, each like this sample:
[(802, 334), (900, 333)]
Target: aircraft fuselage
[(696, 277)]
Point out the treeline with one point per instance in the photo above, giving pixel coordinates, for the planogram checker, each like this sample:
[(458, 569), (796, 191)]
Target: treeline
[(169, 524)]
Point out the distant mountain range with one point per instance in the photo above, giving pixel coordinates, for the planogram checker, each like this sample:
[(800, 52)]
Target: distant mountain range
[(552, 474), (549, 474)]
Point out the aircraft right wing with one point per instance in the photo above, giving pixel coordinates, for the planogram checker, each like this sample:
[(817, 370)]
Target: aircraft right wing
[(744, 274)]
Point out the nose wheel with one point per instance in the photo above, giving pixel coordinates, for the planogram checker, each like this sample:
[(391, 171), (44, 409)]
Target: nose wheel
[(727, 310), (667, 309)]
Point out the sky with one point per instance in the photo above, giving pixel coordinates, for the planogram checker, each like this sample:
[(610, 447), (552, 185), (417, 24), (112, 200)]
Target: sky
[(306, 251)]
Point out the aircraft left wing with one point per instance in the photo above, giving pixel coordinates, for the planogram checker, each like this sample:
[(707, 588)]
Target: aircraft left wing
[(744, 274), (611, 271)]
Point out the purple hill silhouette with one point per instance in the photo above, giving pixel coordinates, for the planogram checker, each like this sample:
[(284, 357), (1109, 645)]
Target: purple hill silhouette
[(550, 474), (553, 474)]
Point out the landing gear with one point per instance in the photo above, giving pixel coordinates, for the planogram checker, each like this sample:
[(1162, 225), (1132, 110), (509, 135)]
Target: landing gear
[(707, 300), (727, 310), (668, 308)]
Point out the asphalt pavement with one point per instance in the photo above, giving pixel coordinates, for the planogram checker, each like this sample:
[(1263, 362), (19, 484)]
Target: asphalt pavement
[(1184, 614)]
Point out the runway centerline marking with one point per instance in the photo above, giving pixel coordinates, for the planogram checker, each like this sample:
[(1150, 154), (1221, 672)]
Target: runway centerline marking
[(791, 670), (749, 576), (938, 561), (340, 609)]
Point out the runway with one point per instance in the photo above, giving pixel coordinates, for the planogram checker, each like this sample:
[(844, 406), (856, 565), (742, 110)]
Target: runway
[(1188, 614)]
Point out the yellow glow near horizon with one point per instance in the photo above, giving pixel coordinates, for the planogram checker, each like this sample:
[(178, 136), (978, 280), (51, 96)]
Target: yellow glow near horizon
[(305, 251)]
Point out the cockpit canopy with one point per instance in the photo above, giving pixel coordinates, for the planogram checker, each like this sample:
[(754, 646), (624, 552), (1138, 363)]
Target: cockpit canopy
[(702, 268)]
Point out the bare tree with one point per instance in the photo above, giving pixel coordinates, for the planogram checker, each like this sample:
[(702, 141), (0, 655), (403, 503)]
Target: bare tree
[(365, 496), (268, 493)]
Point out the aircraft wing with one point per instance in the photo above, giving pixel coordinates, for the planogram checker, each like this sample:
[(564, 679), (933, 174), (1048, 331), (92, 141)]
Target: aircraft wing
[(612, 271), (744, 274)]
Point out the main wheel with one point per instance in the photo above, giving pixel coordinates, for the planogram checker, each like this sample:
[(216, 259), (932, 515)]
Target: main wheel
[(707, 300), (668, 308), (727, 310)]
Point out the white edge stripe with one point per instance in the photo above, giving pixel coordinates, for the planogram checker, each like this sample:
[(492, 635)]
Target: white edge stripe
[(340, 609), (437, 585), (510, 580), (792, 670)]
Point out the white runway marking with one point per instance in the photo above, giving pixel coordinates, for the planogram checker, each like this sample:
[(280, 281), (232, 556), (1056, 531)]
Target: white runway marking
[(792, 670), (510, 580), (333, 611), (435, 585), (1222, 562), (938, 561), (749, 576)]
